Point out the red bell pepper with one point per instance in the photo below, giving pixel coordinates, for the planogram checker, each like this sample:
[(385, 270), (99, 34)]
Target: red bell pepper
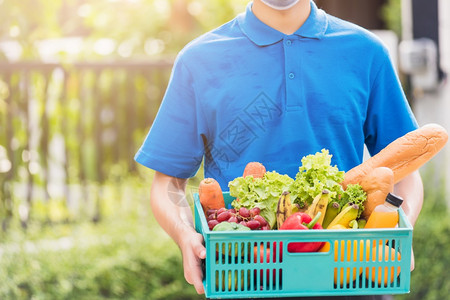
[(302, 221)]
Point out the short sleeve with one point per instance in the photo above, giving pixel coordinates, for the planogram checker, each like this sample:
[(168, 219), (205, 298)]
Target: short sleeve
[(174, 144), (389, 115)]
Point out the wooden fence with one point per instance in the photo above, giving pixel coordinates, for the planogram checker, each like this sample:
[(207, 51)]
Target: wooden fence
[(71, 124)]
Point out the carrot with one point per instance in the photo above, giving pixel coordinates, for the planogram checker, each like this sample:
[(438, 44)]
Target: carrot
[(377, 185), (404, 155), (210, 194), (255, 169)]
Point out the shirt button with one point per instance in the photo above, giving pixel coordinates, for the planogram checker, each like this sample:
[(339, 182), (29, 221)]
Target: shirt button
[(288, 42), (291, 75)]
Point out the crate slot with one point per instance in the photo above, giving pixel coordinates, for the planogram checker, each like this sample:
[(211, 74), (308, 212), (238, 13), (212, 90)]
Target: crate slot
[(231, 281), (267, 252), (268, 279)]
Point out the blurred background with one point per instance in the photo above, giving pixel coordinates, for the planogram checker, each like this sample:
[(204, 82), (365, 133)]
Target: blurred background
[(81, 82)]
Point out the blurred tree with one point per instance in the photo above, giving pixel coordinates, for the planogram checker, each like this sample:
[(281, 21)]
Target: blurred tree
[(28, 21), (117, 28), (392, 15)]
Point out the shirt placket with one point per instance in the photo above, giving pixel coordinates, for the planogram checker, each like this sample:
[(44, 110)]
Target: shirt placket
[(292, 71)]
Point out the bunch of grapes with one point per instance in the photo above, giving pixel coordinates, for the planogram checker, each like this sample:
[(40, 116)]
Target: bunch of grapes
[(247, 217)]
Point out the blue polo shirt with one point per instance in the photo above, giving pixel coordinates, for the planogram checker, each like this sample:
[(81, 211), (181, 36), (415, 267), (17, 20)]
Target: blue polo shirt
[(247, 92)]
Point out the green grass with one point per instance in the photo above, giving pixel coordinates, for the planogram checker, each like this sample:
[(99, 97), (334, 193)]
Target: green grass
[(129, 258), (125, 256)]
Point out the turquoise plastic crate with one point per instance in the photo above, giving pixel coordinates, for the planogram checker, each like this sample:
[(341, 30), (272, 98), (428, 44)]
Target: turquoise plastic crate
[(252, 264)]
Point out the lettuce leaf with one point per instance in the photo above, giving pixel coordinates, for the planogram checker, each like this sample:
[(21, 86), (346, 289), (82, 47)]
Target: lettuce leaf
[(314, 175), (260, 192)]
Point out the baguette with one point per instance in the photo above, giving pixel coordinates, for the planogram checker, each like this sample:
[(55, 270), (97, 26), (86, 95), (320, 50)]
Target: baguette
[(404, 155), (377, 185)]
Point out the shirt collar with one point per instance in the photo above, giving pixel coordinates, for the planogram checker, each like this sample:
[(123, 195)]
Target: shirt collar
[(264, 35)]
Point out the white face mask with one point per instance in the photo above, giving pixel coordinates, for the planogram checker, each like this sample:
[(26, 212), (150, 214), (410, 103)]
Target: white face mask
[(280, 4)]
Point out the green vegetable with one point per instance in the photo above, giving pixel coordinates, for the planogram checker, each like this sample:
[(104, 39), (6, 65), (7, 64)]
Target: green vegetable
[(354, 193), (314, 175), (260, 192), (362, 223), (230, 226)]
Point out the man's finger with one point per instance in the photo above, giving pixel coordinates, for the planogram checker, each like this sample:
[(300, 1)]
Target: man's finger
[(199, 287), (193, 274), (199, 249)]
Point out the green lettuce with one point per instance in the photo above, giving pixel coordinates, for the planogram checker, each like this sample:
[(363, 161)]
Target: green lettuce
[(260, 192), (314, 175)]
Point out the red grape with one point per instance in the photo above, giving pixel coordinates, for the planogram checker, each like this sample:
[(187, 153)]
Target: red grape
[(244, 212), (221, 210), (223, 216), (252, 224), (260, 219), (233, 219), (211, 211), (255, 211), (212, 223)]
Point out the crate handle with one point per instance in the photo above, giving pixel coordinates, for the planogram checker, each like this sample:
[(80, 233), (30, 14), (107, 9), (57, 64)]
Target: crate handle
[(304, 246)]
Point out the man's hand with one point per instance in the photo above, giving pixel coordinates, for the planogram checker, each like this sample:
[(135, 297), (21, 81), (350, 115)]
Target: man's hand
[(193, 252), (173, 213), (411, 190)]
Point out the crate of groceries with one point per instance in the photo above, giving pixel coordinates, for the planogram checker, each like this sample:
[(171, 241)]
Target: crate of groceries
[(323, 233), (286, 263), (273, 235)]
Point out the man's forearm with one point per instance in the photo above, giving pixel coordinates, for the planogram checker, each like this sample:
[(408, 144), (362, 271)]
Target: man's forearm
[(169, 205), (411, 190)]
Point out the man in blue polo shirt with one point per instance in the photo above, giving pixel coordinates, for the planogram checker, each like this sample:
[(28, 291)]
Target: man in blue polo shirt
[(280, 81)]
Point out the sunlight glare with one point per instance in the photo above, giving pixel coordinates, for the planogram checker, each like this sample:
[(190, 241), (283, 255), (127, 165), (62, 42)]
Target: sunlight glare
[(104, 46), (14, 31), (84, 10), (162, 6), (195, 8), (154, 46), (125, 48)]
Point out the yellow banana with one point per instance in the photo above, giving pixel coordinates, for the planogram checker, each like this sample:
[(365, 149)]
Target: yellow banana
[(346, 205), (284, 208), (353, 224), (345, 216), (311, 208), (331, 213), (319, 204)]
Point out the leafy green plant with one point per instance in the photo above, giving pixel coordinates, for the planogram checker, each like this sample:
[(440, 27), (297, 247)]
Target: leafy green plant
[(391, 13), (124, 256), (431, 239), (127, 258)]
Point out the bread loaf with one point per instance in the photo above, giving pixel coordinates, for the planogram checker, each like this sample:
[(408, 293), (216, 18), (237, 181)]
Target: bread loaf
[(404, 155)]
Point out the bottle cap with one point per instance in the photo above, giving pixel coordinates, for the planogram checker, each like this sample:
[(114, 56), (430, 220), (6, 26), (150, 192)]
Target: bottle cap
[(394, 200)]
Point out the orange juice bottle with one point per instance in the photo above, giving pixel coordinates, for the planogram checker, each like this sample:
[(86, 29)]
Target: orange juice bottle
[(385, 215)]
